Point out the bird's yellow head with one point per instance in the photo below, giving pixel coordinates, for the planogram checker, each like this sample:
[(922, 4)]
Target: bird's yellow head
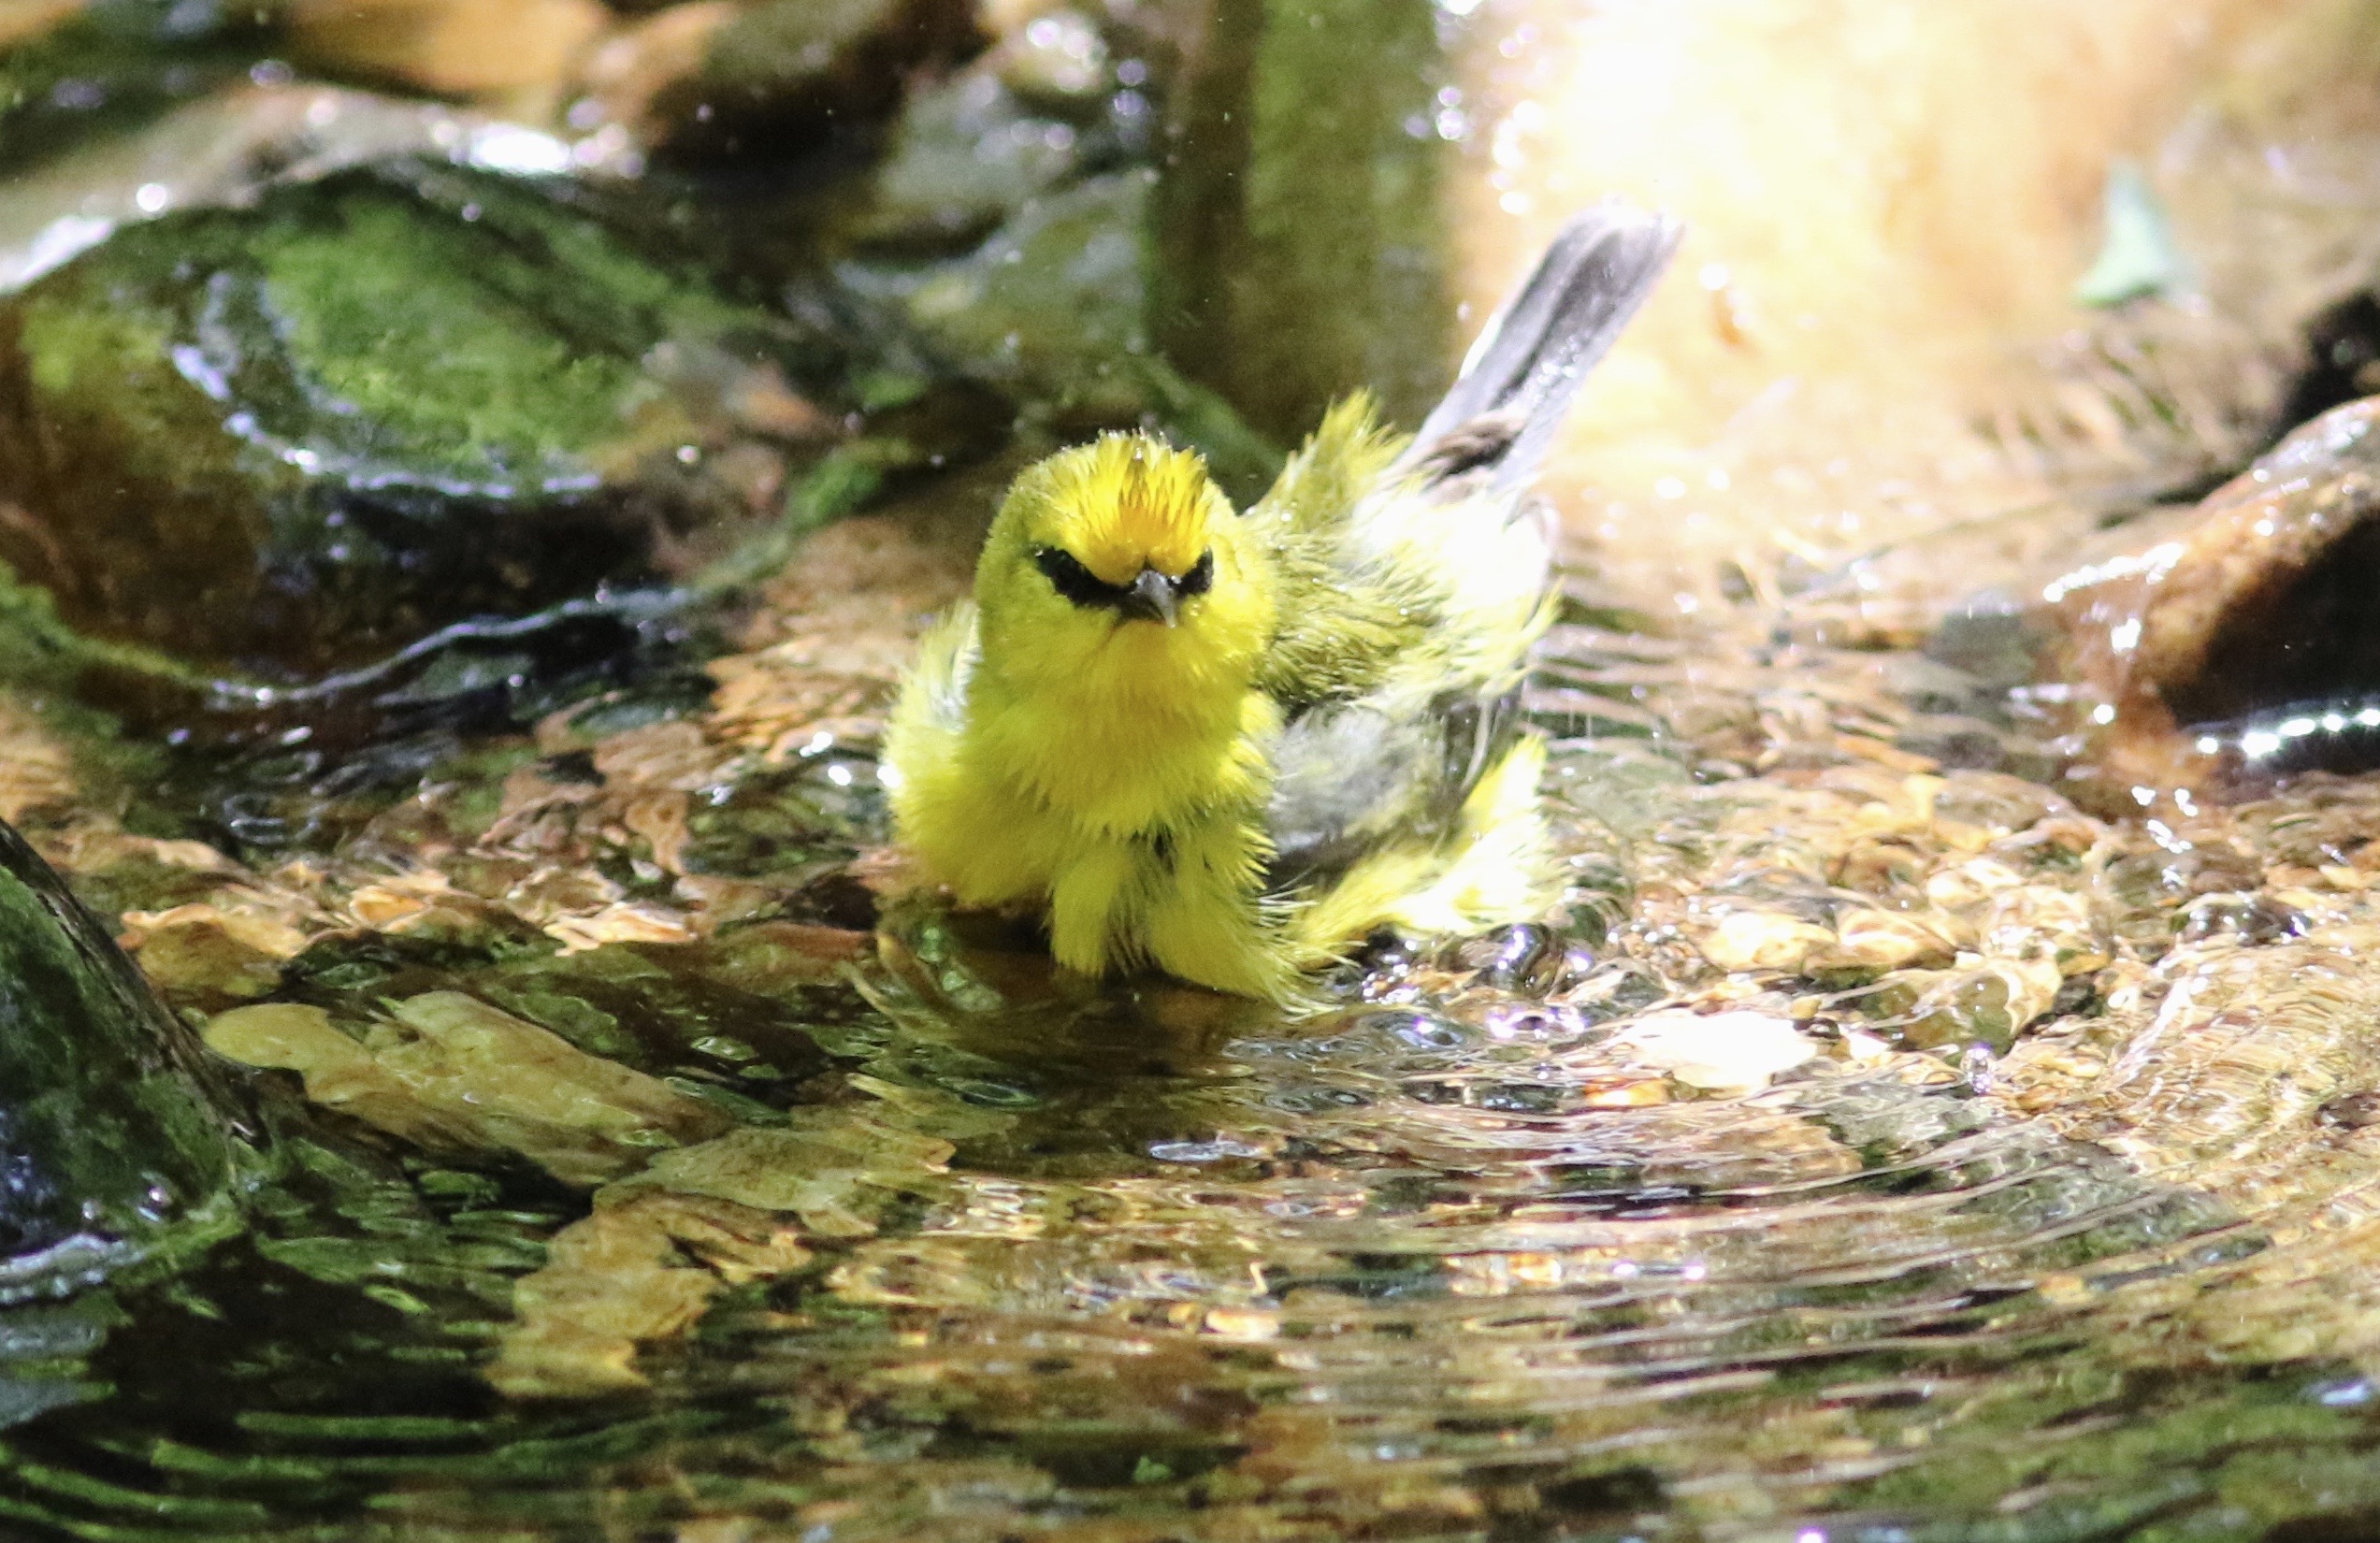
[(1121, 567)]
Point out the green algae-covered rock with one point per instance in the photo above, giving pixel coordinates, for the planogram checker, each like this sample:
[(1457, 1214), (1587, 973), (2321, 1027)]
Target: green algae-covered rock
[(112, 1126), (299, 436)]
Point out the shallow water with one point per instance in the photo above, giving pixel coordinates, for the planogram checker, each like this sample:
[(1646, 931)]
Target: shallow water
[(1450, 1261)]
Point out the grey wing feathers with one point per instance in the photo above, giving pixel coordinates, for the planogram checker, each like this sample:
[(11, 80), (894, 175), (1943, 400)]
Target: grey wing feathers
[(1348, 776), (1505, 408), (1396, 763)]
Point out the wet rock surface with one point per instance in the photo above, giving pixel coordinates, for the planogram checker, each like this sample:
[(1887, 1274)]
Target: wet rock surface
[(112, 1126), (2214, 647), (301, 437), (1052, 307), (69, 69), (768, 79), (283, 503)]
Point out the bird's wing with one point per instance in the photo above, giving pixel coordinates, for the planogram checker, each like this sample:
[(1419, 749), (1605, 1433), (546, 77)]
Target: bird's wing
[(930, 714), (1413, 576), (1394, 764)]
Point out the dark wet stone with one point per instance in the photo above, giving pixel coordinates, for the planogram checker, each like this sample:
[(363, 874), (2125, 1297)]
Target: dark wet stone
[(1611, 1496), (966, 157), (1006, 235), (1981, 648), (1046, 106), (2276, 606), (838, 900), (116, 62), (297, 437), (2354, 1111), (112, 1119), (774, 78), (1520, 958), (2218, 646), (2341, 358)]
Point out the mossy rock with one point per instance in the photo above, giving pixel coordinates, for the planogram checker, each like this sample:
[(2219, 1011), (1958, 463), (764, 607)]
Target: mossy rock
[(114, 1124), (297, 436)]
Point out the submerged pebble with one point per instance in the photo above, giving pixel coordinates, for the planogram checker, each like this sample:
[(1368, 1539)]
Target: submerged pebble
[(1749, 1230), (1715, 1053), (450, 1072)]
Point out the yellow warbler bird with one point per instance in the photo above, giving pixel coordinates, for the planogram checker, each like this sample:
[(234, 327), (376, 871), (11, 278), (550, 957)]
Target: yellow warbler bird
[(1229, 745)]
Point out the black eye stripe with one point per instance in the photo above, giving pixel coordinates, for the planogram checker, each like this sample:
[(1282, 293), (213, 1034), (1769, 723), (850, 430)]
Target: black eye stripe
[(1200, 579), (1073, 581), (1079, 584)]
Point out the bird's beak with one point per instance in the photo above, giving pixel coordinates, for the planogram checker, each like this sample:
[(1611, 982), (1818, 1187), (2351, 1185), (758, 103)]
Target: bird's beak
[(1152, 598)]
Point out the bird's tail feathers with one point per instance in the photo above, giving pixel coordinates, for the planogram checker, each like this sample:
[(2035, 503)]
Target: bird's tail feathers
[(1517, 384)]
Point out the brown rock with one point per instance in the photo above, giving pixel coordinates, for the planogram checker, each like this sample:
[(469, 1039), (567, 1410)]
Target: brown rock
[(454, 47), (1764, 940), (2259, 597)]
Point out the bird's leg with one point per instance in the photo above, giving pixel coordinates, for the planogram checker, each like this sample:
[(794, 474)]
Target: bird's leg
[(1086, 933), (1204, 924)]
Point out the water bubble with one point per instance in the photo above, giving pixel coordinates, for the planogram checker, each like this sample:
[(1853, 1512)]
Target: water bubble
[(1422, 1031), (1218, 1149)]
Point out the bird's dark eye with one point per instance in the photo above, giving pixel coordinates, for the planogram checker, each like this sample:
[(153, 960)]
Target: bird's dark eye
[(1071, 579), (1201, 578)]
